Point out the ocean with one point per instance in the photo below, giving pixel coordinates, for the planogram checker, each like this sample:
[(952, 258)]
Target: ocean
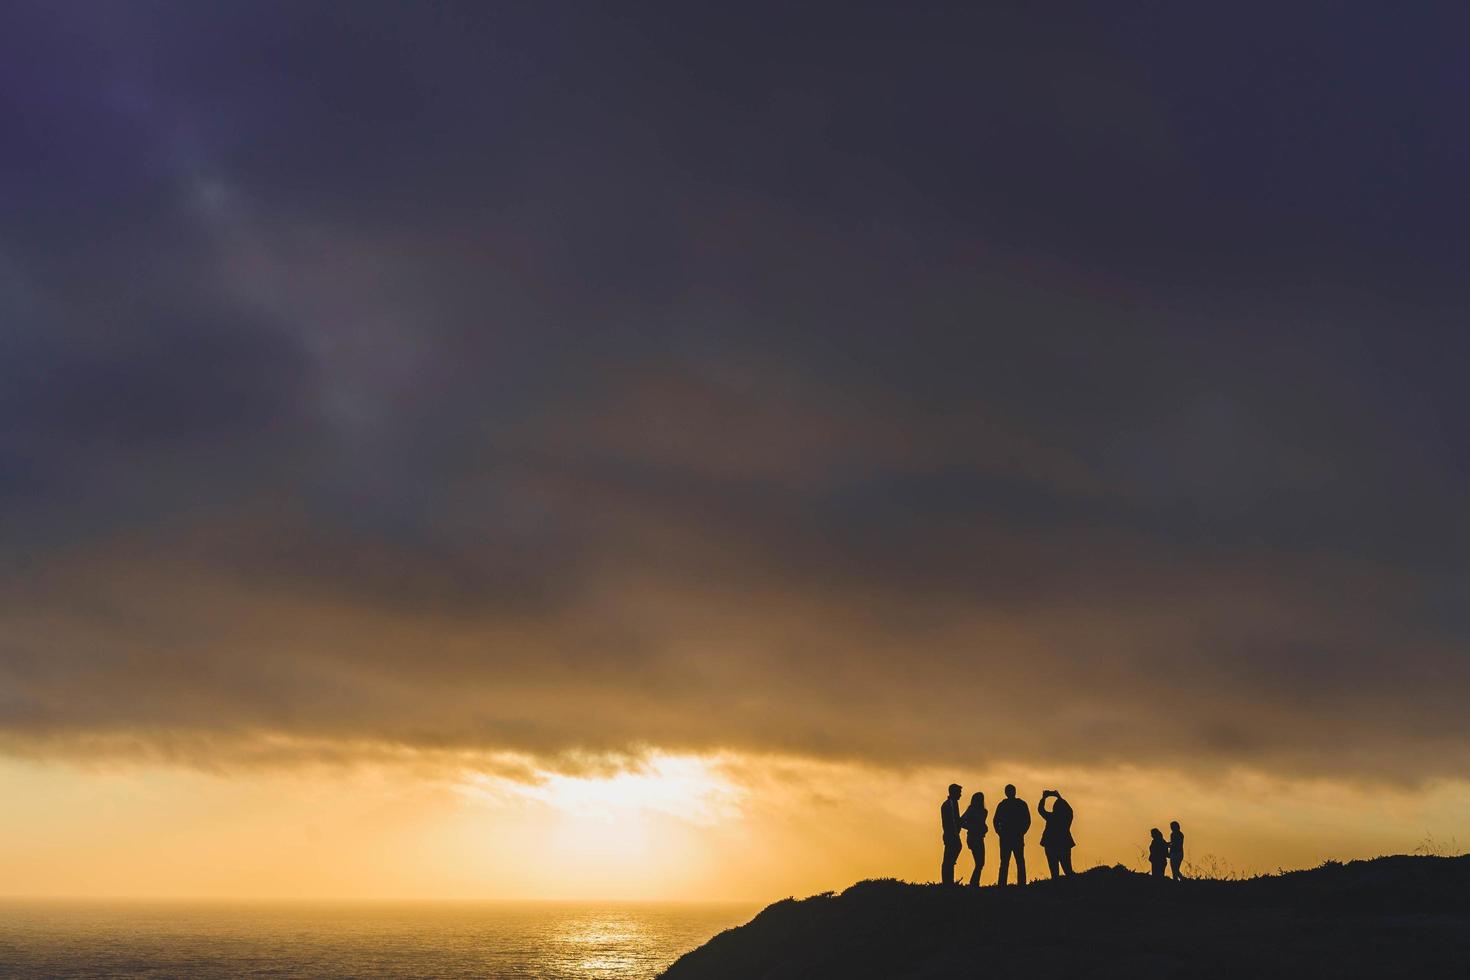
[(543, 940)]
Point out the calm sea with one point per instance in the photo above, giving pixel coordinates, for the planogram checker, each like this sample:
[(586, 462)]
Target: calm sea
[(550, 941)]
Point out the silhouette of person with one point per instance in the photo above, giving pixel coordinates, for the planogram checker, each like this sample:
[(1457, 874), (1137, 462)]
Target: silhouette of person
[(973, 820), (949, 820), (1176, 848), (1012, 820), (1056, 839), (1158, 852)]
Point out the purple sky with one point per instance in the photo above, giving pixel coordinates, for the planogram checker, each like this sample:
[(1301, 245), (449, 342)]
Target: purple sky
[(858, 381)]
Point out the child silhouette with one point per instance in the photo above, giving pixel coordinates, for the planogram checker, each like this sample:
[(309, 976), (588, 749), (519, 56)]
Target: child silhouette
[(1158, 852)]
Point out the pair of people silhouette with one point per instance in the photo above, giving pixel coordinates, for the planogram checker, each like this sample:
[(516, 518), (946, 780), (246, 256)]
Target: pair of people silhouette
[(1012, 821), (1171, 851)]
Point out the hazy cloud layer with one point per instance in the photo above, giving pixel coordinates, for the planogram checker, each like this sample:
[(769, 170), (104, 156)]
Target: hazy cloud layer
[(884, 385)]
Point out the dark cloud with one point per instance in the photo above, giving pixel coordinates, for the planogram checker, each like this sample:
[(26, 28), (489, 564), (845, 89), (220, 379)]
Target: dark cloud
[(900, 386)]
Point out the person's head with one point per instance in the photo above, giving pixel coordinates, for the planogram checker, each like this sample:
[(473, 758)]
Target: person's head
[(1174, 825), (1156, 834), (977, 799), (954, 791), (1010, 791)]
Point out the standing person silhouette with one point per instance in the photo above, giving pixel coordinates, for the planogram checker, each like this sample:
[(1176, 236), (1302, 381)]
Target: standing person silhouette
[(1158, 852), (1176, 848), (1012, 820), (973, 820), (949, 821), (1056, 839)]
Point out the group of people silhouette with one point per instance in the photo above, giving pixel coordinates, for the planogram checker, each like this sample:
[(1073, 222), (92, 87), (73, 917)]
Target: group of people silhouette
[(1011, 822), (1169, 851)]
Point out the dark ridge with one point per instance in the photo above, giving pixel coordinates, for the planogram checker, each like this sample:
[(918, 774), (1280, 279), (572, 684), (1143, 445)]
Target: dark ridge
[(1389, 917)]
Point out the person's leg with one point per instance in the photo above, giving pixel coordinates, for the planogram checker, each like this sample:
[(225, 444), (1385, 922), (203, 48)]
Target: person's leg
[(1020, 862), (979, 860), (1174, 866), (1053, 861), (1005, 863), (951, 855), (1067, 861)]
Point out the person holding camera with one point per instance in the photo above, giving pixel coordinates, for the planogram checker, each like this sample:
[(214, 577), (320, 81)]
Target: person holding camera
[(1056, 839)]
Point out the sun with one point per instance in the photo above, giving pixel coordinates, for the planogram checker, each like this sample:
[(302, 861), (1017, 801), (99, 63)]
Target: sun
[(685, 787), (680, 786), (640, 827)]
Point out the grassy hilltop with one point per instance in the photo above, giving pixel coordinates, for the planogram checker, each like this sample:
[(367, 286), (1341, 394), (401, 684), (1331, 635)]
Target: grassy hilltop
[(1392, 916)]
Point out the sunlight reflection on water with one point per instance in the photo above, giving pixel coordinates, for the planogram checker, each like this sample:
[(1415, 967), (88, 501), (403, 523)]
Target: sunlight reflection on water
[(553, 941)]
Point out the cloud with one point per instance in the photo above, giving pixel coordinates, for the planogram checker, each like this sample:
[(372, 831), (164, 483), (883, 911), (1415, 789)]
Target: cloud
[(436, 397)]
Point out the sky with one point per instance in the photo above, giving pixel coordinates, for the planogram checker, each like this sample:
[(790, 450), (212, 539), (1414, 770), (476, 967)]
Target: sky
[(649, 450)]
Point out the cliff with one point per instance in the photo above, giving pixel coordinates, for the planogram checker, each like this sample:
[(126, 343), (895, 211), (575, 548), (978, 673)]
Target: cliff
[(1392, 916)]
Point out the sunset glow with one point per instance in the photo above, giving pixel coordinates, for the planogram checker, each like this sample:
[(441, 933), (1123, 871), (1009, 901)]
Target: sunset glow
[(675, 827), (679, 786), (500, 451)]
